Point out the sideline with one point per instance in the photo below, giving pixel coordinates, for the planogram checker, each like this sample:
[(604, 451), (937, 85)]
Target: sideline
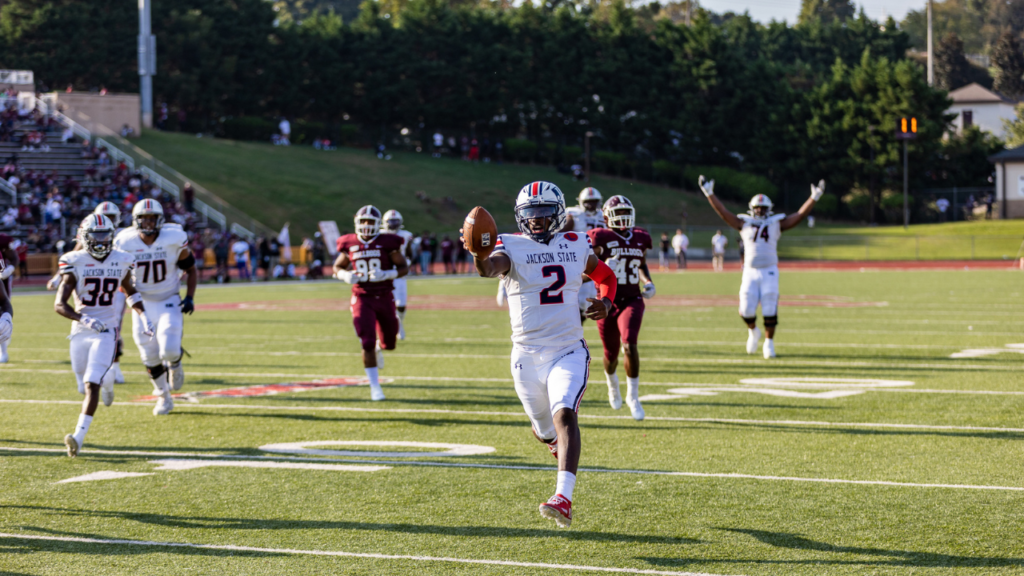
[(717, 475), (339, 553)]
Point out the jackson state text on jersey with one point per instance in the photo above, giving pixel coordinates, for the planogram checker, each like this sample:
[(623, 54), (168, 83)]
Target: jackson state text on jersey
[(629, 249), (760, 237), (542, 286), (97, 283), (584, 222), (156, 274), (374, 254)]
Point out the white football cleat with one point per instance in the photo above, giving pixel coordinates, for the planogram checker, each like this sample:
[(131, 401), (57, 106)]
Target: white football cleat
[(753, 337), (175, 376), (107, 391), (164, 404), (769, 348), (380, 357), (614, 397), (634, 407), (118, 376), (72, 445), (376, 393)]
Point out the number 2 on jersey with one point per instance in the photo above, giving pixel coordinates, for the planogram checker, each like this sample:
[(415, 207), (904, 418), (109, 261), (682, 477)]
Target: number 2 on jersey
[(553, 294)]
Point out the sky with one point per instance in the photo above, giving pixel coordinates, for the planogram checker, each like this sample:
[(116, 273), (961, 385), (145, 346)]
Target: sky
[(766, 10)]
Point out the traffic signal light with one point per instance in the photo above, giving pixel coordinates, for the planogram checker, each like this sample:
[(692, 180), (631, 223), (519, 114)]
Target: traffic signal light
[(907, 129)]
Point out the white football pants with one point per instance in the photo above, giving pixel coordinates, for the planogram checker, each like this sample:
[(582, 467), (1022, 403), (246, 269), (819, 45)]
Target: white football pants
[(168, 324), (759, 286), (548, 379), (92, 353), (401, 292)]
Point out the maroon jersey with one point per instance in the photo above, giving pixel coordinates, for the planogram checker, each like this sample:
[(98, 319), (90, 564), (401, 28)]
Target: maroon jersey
[(365, 256), (629, 247)]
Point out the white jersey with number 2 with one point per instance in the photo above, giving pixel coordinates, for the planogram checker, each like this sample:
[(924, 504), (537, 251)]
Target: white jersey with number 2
[(542, 286), (97, 284), (157, 276), (760, 238)]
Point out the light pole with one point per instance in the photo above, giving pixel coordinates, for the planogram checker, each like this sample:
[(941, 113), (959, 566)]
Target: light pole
[(931, 59), (147, 63), (586, 156)]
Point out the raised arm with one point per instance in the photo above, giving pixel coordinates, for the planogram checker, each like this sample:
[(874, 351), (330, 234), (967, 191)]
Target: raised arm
[(708, 188), (795, 218)]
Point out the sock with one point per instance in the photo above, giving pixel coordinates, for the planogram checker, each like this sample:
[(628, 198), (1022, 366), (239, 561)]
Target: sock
[(613, 379), (751, 330), (634, 386), (401, 316), (160, 384), (3, 347), (371, 373), (83, 427), (566, 484)]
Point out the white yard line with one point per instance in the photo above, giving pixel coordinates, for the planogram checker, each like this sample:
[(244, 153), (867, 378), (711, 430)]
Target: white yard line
[(719, 475), (810, 423), (339, 553)]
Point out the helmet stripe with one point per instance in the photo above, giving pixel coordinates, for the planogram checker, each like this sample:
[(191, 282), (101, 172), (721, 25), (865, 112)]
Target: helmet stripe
[(535, 189)]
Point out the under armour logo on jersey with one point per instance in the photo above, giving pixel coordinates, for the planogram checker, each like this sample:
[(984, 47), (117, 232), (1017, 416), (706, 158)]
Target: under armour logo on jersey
[(519, 366), (563, 246)]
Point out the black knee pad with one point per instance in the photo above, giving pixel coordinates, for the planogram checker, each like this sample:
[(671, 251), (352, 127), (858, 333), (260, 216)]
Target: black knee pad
[(749, 320), (771, 321), (156, 371)]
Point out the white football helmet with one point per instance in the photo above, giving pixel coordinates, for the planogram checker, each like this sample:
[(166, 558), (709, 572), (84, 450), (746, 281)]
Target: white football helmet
[(760, 201), (540, 200), (96, 234), (367, 221), (110, 210), (590, 195), (393, 221), (620, 213), (147, 207)]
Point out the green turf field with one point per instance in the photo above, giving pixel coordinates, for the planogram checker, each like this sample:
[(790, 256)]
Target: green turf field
[(918, 471), (301, 185)]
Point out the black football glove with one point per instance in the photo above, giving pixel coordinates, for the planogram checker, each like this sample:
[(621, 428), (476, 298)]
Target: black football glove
[(187, 307)]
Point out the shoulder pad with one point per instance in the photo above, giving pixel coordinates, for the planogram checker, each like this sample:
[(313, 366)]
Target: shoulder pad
[(776, 218), (745, 217)]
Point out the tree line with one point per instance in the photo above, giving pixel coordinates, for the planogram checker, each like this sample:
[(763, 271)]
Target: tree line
[(791, 103)]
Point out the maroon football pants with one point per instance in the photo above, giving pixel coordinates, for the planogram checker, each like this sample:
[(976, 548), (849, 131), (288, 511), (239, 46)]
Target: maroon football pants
[(375, 318), (621, 325)]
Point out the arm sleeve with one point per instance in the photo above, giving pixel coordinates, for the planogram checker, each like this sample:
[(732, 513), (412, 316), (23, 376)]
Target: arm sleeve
[(605, 280)]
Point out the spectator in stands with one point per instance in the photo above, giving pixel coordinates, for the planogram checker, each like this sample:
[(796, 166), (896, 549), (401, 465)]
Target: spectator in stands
[(263, 245), (438, 144), (221, 253), (942, 204), (126, 131), (464, 147), (663, 248), (414, 251), (286, 131), (189, 195), (274, 255), (461, 258), (161, 117), (240, 248), (67, 136), (680, 243), (426, 253), (988, 206), (448, 254), (10, 218), (199, 253), (319, 255), (474, 150)]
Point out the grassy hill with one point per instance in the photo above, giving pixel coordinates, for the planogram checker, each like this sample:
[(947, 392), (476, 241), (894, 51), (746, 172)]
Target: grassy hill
[(303, 186)]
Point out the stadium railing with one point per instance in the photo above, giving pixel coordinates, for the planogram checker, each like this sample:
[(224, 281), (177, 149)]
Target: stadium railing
[(9, 189)]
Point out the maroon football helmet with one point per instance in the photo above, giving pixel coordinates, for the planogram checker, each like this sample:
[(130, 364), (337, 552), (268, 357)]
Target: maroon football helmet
[(619, 212)]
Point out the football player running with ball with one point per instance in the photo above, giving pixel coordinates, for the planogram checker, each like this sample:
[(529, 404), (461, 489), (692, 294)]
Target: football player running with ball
[(759, 232), (371, 262), (161, 254), (542, 270), (623, 248), (393, 224), (94, 273)]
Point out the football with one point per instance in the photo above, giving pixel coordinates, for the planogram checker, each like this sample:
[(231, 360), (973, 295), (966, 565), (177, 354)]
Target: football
[(480, 232)]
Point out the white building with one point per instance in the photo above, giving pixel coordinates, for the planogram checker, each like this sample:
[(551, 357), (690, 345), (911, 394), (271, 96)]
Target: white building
[(1010, 182), (975, 105)]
